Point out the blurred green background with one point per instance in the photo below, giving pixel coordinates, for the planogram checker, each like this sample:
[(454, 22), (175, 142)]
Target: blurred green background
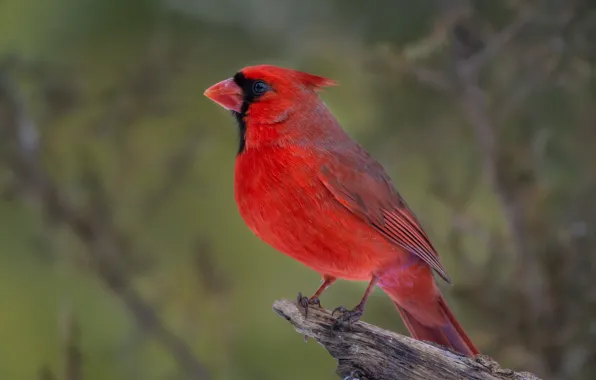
[(122, 254)]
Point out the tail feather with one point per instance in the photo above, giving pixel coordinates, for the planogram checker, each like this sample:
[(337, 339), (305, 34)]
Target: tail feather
[(450, 334)]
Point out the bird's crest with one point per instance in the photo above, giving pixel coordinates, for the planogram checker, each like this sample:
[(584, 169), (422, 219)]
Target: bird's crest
[(275, 74)]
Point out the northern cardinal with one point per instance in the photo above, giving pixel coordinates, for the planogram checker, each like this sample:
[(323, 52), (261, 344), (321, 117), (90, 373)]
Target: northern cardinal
[(306, 188)]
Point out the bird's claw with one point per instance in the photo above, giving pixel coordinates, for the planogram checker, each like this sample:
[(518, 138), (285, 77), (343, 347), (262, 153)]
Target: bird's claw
[(339, 309), (306, 302), (347, 317)]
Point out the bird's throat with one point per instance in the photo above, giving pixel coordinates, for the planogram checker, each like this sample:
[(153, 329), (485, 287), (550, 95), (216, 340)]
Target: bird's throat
[(240, 120), (242, 131)]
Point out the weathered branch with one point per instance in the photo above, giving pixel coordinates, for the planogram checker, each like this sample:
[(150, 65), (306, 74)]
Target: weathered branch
[(371, 353)]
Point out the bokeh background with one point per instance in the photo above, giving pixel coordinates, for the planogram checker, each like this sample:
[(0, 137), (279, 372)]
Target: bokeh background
[(122, 254)]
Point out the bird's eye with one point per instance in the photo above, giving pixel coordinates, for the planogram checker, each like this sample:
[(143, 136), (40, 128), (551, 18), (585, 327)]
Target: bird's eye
[(260, 87)]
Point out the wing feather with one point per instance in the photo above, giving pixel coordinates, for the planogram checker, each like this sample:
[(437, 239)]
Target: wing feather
[(361, 184)]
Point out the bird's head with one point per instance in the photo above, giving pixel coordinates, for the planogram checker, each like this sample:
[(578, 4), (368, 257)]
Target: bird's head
[(269, 101)]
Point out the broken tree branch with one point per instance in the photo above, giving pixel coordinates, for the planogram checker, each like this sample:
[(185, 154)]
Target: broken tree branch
[(368, 352)]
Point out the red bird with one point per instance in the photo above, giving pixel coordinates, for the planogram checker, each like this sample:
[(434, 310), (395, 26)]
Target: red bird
[(306, 188)]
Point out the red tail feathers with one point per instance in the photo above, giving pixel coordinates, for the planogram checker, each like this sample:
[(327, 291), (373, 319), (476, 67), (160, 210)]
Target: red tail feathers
[(450, 334)]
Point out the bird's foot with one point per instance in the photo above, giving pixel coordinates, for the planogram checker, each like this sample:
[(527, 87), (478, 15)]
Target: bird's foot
[(306, 302), (347, 317)]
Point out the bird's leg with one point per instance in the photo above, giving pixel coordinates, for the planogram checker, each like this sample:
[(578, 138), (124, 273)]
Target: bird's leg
[(305, 302), (351, 316)]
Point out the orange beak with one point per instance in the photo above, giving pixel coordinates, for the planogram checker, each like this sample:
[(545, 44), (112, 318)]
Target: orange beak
[(227, 94)]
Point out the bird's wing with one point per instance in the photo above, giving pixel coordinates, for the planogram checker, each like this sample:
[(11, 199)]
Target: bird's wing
[(360, 184)]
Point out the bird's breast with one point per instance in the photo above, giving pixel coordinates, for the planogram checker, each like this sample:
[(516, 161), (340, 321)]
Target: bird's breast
[(272, 188), (282, 200)]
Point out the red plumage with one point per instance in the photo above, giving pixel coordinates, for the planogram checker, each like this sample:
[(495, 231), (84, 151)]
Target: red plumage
[(306, 188)]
